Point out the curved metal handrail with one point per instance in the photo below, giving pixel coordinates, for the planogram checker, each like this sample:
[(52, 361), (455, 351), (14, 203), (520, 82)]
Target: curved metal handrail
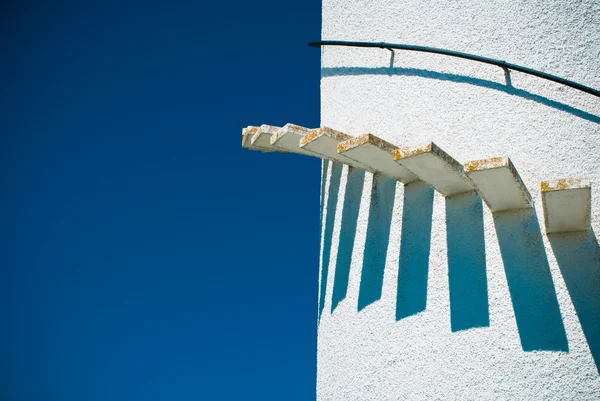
[(500, 63)]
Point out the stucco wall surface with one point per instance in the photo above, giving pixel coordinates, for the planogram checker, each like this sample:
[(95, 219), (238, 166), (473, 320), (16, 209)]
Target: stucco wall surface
[(431, 298)]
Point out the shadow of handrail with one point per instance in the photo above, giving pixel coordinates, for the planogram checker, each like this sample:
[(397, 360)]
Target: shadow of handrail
[(441, 76)]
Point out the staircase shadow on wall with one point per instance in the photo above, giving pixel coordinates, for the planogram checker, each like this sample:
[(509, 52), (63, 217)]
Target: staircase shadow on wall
[(415, 245), (324, 170), (467, 278), (526, 266), (530, 282), (469, 307), (416, 72), (332, 198), (578, 257), (383, 192), (351, 208)]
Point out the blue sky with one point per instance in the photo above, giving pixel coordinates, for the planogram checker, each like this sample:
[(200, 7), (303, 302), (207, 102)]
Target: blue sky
[(145, 254)]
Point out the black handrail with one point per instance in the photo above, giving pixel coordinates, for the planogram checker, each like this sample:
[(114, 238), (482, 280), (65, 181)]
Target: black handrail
[(486, 60)]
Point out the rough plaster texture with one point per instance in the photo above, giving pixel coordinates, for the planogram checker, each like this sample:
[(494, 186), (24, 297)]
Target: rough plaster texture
[(528, 329)]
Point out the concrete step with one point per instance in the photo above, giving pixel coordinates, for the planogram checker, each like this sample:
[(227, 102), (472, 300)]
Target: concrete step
[(376, 153), (434, 166), (498, 184), (325, 141), (249, 133), (567, 204), (262, 137), (288, 139)]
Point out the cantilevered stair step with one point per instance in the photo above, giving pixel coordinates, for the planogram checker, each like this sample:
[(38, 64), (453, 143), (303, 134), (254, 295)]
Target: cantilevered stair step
[(377, 154), (247, 134), (499, 184), (434, 166), (258, 138), (287, 138), (567, 204), (262, 138), (324, 141)]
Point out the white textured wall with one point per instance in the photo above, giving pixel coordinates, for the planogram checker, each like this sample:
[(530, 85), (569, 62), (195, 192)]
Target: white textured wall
[(549, 131)]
